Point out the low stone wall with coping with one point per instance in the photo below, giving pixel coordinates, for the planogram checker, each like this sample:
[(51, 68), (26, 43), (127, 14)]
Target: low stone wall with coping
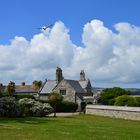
[(132, 113)]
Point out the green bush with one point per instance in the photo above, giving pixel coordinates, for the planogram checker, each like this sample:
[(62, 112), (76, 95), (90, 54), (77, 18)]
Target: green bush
[(21, 96), (1, 95), (111, 101), (43, 101), (109, 94), (30, 107), (126, 100), (66, 106), (138, 100), (9, 107)]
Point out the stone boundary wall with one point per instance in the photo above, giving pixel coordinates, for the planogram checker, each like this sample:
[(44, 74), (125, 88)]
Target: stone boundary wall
[(132, 113)]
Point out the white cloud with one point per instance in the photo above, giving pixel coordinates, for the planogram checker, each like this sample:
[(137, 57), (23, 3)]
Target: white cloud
[(107, 56)]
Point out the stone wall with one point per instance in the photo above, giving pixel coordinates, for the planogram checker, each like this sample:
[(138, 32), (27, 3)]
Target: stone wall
[(132, 113), (70, 93), (43, 97)]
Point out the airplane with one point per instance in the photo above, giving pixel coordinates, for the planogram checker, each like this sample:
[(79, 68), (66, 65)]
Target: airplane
[(45, 27)]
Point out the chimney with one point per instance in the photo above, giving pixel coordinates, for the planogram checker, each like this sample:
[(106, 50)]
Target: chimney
[(23, 83), (59, 75), (1, 84), (82, 75)]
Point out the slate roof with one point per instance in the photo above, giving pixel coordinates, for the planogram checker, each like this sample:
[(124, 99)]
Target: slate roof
[(51, 84), (76, 86), (48, 86)]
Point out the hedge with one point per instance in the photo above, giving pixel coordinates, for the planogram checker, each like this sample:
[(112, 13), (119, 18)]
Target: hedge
[(66, 106), (21, 96), (138, 100), (9, 107), (126, 100)]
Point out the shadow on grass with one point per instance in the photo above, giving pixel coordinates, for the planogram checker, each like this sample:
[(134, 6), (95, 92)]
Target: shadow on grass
[(28, 120)]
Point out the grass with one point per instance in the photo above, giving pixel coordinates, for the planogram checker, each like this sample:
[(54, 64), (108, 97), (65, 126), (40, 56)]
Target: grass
[(81, 127)]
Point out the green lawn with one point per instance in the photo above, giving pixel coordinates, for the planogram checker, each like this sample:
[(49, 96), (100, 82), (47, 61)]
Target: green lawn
[(81, 127)]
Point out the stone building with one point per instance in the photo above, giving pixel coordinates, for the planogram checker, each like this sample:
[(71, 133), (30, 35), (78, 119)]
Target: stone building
[(71, 90)]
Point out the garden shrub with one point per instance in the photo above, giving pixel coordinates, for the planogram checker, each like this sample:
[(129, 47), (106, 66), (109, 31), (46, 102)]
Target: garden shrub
[(126, 100), (138, 100), (111, 102), (21, 96), (30, 107), (1, 95), (43, 101), (55, 98), (41, 109), (109, 94), (9, 107), (66, 106)]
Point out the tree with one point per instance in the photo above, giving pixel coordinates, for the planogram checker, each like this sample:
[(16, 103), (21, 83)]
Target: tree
[(108, 95), (55, 99), (126, 100), (10, 89), (37, 84)]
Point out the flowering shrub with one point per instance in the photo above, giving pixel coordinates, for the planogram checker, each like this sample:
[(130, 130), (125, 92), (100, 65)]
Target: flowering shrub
[(30, 107)]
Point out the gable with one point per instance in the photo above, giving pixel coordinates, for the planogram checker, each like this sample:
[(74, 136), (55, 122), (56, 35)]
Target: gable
[(74, 85), (83, 84)]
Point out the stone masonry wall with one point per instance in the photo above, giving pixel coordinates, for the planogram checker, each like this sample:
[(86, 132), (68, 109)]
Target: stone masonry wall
[(70, 93), (132, 113)]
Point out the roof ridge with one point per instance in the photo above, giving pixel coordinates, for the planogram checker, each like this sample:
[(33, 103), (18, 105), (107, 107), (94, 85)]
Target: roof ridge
[(70, 80), (42, 86)]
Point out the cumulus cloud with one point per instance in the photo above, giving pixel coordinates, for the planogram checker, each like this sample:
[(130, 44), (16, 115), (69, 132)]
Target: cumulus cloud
[(106, 56)]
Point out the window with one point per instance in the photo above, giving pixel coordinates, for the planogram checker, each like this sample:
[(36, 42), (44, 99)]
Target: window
[(62, 92)]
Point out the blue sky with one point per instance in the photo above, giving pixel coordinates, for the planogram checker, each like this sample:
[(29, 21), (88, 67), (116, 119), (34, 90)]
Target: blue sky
[(20, 18)]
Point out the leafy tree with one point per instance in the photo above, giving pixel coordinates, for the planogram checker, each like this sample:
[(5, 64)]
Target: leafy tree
[(108, 95), (55, 99), (126, 100), (10, 89), (37, 84)]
